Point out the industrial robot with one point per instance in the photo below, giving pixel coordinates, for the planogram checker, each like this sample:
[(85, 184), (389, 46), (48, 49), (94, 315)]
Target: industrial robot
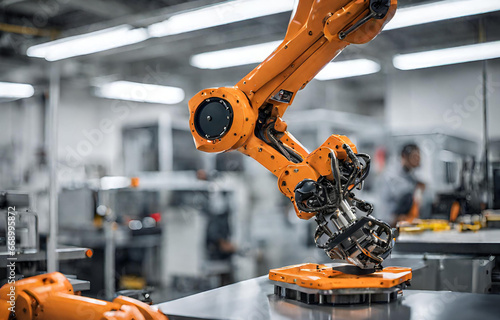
[(321, 184)]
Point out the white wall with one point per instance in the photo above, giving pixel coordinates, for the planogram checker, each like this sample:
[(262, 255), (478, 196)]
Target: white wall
[(20, 136), (445, 98)]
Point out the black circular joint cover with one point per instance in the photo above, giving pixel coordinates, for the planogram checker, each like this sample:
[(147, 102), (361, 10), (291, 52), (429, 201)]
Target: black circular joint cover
[(213, 118), (305, 190), (380, 8)]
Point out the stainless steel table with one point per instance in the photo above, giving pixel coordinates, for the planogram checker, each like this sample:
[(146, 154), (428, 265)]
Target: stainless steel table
[(254, 300), (483, 242)]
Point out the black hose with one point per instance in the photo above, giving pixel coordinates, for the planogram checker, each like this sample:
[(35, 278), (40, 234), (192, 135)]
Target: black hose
[(336, 175), (286, 152), (275, 143), (364, 172), (303, 208)]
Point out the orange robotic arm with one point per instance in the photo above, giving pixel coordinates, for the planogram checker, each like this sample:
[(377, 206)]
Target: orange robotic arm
[(51, 296), (248, 118)]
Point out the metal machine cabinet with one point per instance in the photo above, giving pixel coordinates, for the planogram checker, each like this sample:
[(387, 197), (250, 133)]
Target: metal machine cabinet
[(185, 243), (448, 272), (158, 144)]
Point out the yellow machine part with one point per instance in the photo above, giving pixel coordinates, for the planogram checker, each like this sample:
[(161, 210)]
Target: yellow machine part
[(492, 216), (132, 282), (422, 225), (469, 227)]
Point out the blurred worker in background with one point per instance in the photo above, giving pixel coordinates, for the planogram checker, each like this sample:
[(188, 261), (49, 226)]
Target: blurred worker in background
[(219, 247), (401, 190), (218, 241)]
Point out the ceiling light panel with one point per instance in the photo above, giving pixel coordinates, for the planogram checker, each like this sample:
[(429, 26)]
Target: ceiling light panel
[(88, 43), (448, 56), (440, 10), (347, 69), (234, 57), (11, 90), (141, 92), (219, 14)]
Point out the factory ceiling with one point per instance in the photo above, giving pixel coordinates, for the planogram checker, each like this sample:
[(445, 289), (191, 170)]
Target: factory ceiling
[(24, 23)]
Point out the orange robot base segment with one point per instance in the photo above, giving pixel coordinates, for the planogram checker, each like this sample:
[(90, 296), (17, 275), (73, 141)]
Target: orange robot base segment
[(51, 296), (322, 284)]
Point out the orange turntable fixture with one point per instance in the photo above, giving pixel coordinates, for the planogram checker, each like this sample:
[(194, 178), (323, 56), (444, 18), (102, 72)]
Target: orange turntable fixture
[(323, 284), (323, 277)]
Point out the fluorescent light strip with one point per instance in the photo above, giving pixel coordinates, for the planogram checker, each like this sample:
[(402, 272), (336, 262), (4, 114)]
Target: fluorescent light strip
[(141, 92), (441, 10), (108, 183), (257, 53), (234, 11), (219, 14), (88, 43), (415, 15), (347, 69), (442, 57), (234, 57), (11, 90)]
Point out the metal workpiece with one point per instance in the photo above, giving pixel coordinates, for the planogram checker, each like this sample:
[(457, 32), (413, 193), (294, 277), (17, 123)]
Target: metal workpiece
[(255, 300)]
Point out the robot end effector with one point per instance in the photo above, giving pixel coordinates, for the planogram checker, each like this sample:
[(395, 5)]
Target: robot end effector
[(363, 241)]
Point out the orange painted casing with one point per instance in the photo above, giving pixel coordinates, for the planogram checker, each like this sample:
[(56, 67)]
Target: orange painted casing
[(243, 124), (318, 163), (310, 43), (51, 296)]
